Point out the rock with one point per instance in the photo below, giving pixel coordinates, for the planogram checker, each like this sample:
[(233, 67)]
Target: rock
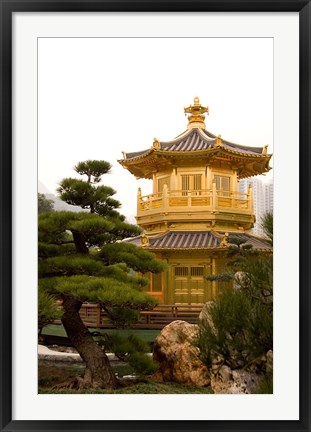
[(235, 359), (178, 357), (240, 280), (217, 362), (241, 382), (225, 374), (269, 364), (205, 316)]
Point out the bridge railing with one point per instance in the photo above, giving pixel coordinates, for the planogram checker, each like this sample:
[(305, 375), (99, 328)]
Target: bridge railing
[(94, 316)]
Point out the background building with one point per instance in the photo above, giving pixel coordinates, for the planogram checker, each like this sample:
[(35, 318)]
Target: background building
[(262, 198)]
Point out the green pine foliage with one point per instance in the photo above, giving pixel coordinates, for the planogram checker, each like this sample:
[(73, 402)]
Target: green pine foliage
[(84, 193), (240, 327), (130, 349), (48, 309), (74, 260)]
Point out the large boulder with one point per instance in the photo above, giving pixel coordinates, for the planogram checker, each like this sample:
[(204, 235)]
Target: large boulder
[(178, 357)]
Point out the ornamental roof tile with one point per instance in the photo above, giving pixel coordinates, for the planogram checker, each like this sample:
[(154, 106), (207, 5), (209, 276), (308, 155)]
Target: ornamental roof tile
[(185, 240), (196, 139), (190, 142), (199, 240)]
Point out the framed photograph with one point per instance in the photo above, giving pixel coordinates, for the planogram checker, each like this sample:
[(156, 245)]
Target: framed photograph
[(93, 81)]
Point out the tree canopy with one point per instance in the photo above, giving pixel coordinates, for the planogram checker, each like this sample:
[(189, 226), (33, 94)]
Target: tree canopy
[(82, 193)]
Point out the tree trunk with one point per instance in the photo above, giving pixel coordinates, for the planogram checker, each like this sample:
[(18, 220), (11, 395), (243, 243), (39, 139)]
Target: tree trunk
[(79, 242), (98, 372)]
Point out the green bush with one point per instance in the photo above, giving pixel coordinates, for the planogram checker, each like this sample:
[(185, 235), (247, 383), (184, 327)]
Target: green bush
[(265, 385), (48, 310), (142, 363), (240, 324), (130, 349)]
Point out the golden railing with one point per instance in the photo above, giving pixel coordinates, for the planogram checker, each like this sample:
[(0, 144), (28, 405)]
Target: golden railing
[(211, 199)]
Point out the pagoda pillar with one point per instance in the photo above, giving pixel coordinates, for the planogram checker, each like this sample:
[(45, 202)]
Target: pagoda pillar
[(165, 197), (214, 195)]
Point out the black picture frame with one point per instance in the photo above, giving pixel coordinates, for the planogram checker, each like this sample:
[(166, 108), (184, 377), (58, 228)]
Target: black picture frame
[(7, 9)]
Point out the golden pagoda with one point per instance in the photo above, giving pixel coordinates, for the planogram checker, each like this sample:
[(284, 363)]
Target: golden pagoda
[(194, 206)]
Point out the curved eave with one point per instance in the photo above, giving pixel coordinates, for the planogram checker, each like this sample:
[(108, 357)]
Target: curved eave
[(144, 165), (213, 151), (192, 153), (142, 155), (245, 154)]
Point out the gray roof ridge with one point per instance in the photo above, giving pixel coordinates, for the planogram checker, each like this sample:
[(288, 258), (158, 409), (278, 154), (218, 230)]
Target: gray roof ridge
[(195, 130), (242, 147), (235, 145), (165, 144), (132, 155)]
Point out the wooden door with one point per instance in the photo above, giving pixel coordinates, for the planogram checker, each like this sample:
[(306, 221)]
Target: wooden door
[(189, 285), (197, 284), (180, 288)]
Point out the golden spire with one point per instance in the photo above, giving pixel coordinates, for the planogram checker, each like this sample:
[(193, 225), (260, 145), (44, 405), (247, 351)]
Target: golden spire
[(196, 119)]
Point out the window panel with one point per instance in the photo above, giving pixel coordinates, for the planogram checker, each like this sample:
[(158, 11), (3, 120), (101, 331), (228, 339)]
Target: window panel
[(197, 182), (222, 184), (181, 271), (196, 271), (225, 183), (191, 182)]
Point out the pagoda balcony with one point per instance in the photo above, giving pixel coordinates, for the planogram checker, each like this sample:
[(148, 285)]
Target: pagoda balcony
[(199, 204)]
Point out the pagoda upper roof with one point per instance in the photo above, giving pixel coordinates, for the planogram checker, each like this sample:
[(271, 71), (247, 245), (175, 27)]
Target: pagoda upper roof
[(197, 142), (194, 140)]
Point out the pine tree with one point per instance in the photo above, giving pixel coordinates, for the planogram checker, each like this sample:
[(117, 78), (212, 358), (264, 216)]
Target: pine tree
[(81, 259)]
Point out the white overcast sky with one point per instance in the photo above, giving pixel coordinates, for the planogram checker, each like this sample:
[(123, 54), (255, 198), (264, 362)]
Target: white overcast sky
[(98, 97)]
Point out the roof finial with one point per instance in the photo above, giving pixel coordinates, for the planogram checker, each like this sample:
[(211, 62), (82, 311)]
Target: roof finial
[(196, 119)]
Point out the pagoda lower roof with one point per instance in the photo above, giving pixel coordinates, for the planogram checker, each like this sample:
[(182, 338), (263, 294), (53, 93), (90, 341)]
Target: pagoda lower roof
[(195, 142), (198, 240)]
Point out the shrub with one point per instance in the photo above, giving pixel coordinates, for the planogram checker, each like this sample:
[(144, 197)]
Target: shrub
[(48, 310), (265, 385), (240, 324), (130, 349)]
